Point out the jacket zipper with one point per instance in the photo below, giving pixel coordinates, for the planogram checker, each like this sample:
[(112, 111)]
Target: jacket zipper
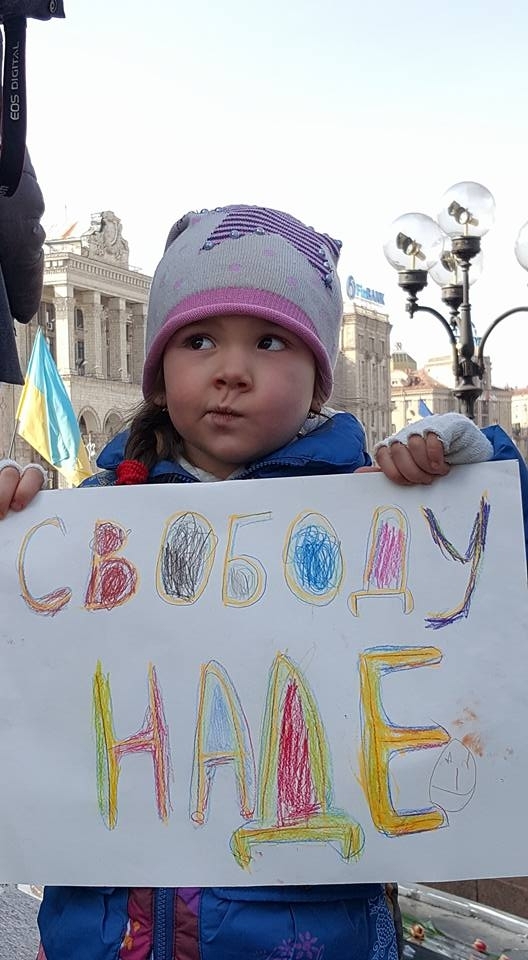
[(271, 463), (163, 932)]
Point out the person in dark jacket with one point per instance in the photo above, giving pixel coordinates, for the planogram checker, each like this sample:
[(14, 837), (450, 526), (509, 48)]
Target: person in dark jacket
[(21, 201), (21, 266)]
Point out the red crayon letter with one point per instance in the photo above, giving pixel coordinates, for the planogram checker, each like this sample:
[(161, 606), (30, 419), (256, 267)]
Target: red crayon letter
[(113, 579)]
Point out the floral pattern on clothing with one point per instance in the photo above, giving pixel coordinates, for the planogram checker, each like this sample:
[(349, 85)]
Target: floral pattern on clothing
[(305, 947), (385, 946)]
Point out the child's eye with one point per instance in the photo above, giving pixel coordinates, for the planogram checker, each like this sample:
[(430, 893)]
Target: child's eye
[(271, 343), (200, 342)]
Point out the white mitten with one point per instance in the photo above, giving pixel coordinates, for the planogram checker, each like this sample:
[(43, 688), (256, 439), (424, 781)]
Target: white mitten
[(461, 439)]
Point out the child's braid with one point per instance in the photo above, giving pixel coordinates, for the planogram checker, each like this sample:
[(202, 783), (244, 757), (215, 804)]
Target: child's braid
[(152, 436)]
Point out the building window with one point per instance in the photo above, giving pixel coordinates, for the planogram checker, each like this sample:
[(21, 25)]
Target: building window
[(363, 378), (80, 361), (105, 335)]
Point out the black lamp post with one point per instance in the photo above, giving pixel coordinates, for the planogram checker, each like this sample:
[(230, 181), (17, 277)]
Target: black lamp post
[(449, 251)]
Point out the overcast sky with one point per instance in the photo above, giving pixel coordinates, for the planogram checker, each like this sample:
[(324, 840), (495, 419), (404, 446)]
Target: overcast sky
[(346, 115)]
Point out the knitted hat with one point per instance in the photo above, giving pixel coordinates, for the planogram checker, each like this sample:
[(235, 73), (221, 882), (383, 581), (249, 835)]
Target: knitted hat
[(252, 261)]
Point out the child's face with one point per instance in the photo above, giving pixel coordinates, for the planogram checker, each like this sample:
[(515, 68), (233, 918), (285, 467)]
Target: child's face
[(237, 388)]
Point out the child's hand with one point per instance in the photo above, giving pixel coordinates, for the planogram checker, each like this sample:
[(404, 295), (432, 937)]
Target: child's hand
[(18, 486), (425, 449), (419, 460)]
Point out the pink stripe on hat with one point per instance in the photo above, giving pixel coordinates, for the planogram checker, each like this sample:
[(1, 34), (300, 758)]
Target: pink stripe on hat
[(235, 300)]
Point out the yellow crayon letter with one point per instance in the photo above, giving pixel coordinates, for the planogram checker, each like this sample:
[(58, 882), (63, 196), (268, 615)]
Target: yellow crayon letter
[(244, 577), (153, 738), (50, 603), (380, 739)]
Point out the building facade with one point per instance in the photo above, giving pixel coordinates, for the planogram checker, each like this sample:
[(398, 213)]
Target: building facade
[(416, 394), (92, 315), (494, 404), (433, 386), (362, 376), (519, 405)]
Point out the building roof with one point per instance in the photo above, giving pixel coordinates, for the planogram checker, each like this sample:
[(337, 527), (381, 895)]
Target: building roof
[(400, 358), (418, 381)]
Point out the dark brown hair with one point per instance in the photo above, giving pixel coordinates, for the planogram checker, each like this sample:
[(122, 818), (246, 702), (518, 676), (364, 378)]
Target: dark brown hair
[(152, 435)]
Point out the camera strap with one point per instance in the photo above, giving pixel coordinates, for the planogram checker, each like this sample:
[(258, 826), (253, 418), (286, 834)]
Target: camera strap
[(14, 114)]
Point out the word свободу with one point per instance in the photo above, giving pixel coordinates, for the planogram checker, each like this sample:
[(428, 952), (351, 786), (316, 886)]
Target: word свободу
[(312, 562)]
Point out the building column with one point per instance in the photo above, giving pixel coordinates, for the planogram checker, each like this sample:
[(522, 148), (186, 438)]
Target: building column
[(64, 302), (138, 312), (90, 304), (117, 320)]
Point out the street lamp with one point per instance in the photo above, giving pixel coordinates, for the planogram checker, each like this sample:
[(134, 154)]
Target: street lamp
[(449, 251)]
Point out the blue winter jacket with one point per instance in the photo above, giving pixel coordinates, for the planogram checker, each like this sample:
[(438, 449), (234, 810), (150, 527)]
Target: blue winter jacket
[(269, 923)]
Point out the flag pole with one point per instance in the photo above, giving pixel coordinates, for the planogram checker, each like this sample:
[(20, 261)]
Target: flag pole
[(15, 428), (12, 444)]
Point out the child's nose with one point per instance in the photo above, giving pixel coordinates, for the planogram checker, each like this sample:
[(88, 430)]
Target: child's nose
[(234, 370)]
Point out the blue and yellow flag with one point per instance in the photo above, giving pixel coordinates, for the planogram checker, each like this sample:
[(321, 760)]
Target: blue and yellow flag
[(45, 416)]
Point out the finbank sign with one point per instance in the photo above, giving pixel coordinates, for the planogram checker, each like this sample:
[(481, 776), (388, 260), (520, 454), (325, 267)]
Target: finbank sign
[(354, 289)]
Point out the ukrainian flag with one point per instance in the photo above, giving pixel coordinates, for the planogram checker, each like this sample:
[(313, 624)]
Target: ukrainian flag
[(45, 416)]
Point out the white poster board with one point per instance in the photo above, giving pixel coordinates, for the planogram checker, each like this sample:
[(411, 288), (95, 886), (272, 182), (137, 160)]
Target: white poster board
[(310, 680)]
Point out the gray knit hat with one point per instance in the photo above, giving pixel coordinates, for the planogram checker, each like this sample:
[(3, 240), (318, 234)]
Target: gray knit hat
[(252, 261)]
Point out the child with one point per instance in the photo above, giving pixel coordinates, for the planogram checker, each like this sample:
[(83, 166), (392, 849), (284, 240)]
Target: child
[(242, 337)]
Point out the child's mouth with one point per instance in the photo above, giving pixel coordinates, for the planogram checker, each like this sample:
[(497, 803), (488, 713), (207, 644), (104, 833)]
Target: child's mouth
[(223, 414)]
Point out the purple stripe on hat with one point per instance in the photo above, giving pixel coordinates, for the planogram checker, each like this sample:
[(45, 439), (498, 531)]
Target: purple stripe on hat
[(238, 225), (236, 301), (240, 221), (285, 221), (273, 222), (270, 222)]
